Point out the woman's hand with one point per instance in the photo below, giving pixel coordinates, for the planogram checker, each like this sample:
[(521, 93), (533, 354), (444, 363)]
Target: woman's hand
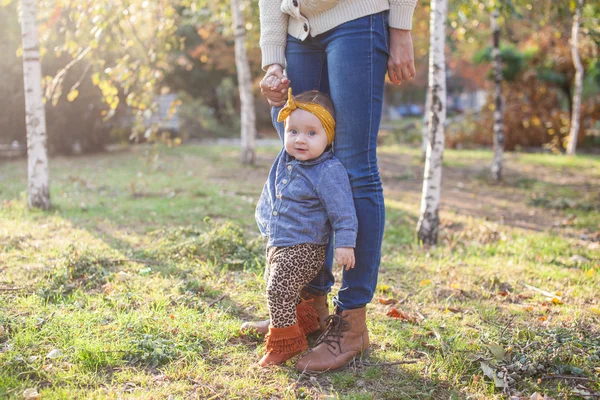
[(274, 85), (344, 256), (401, 63)]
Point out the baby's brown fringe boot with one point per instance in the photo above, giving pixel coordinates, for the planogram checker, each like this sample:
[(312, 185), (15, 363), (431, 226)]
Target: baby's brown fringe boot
[(307, 316), (283, 344)]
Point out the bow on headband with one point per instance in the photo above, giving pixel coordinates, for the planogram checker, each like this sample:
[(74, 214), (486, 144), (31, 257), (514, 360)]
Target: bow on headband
[(318, 110)]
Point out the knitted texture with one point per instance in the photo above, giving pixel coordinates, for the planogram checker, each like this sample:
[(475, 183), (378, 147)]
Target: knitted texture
[(275, 24)]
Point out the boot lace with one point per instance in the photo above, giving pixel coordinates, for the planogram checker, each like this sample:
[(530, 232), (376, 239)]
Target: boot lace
[(332, 336)]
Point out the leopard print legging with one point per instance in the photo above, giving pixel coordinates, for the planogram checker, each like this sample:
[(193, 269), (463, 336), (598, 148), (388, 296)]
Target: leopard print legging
[(289, 269)]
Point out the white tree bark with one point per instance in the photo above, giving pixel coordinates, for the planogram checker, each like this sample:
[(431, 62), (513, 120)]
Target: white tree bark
[(248, 114), (498, 110), (429, 221), (38, 193), (425, 131), (572, 146)]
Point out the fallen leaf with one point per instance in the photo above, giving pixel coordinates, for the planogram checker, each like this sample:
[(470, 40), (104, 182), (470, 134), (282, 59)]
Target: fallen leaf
[(30, 394), (543, 318), (122, 276), (556, 300), (497, 351), (490, 373), (504, 293), (595, 310), (387, 301), (395, 313), (530, 308), (537, 396), (425, 282), (453, 309), (54, 353), (399, 314), (590, 273)]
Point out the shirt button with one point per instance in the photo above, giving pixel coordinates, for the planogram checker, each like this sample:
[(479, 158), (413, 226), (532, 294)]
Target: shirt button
[(305, 28), (295, 2), (289, 167), (275, 213), (284, 181), (279, 195)]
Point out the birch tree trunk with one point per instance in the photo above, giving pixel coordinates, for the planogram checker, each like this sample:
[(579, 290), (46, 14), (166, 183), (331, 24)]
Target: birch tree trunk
[(38, 194), (429, 221), (425, 132), (248, 117), (498, 110), (572, 146)]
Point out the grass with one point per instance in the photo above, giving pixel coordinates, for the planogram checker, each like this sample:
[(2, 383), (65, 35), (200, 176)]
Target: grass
[(135, 283)]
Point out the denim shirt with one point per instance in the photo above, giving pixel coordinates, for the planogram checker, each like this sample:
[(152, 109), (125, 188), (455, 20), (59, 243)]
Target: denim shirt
[(304, 201)]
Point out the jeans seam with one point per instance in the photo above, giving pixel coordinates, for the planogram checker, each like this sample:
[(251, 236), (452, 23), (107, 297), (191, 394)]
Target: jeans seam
[(385, 33), (371, 174)]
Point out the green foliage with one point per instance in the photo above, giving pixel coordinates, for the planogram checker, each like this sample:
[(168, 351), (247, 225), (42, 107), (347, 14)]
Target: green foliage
[(76, 268), (513, 61), (154, 351), (222, 245)]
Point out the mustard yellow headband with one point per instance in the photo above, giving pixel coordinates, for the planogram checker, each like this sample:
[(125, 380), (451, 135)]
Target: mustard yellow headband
[(318, 110)]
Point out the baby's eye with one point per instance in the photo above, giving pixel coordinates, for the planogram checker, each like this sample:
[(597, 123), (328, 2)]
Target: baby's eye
[(293, 132), (312, 133)]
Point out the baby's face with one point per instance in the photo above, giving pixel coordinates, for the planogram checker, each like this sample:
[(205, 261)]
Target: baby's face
[(305, 137)]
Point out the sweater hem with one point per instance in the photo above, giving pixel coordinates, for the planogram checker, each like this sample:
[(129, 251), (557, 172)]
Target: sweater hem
[(401, 17), (272, 55), (344, 12)]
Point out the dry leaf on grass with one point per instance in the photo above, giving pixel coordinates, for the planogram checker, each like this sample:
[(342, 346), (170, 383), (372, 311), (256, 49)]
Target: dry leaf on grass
[(387, 301), (31, 394), (490, 373), (497, 351), (399, 314)]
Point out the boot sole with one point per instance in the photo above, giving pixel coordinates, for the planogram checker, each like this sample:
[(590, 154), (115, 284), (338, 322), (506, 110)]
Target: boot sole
[(365, 353)]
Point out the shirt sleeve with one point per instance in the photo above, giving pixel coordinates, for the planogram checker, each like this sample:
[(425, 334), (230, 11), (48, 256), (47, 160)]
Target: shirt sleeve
[(273, 32), (335, 194), (401, 13)]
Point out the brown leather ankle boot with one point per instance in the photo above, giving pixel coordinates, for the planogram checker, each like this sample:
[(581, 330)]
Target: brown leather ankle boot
[(345, 338), (283, 344)]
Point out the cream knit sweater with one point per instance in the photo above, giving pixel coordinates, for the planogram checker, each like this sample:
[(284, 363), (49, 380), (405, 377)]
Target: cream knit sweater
[(300, 18)]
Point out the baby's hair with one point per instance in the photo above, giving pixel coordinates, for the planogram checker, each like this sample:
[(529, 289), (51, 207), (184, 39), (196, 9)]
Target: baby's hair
[(314, 96)]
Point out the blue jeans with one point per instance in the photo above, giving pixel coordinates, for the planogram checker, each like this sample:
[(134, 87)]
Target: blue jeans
[(349, 63)]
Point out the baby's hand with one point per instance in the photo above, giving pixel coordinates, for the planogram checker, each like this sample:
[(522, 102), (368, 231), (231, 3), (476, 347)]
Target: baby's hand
[(344, 256)]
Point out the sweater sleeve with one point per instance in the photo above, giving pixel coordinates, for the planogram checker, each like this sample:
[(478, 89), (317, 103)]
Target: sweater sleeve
[(401, 12), (273, 32)]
